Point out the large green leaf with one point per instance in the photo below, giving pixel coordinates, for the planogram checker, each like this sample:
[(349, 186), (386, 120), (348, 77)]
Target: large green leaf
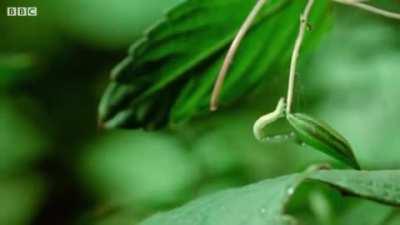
[(264, 203), (366, 213), (169, 74)]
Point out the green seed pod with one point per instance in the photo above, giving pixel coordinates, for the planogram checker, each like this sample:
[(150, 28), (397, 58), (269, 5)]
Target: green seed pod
[(322, 137)]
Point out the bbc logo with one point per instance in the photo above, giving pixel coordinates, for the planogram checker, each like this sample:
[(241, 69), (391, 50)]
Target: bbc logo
[(22, 11)]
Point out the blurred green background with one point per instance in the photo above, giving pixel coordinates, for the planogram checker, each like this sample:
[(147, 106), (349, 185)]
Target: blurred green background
[(57, 167)]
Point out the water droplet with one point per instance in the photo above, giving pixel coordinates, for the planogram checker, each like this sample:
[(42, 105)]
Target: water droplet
[(290, 191), (279, 138)]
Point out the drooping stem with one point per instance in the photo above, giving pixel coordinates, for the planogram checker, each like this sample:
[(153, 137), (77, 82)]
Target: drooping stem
[(370, 8), (296, 51), (232, 51), (267, 119)]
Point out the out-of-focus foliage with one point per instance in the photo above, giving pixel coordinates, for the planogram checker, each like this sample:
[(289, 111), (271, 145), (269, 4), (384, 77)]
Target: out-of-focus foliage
[(14, 67), (105, 23), (149, 169), (20, 199), (355, 87), (21, 146), (101, 24), (20, 143)]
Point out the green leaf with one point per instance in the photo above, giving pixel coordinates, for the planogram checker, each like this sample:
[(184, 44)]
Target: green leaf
[(168, 75), (322, 137), (264, 203), (366, 213), (381, 186)]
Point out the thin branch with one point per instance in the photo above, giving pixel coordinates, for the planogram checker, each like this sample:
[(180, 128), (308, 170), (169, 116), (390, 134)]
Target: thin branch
[(295, 55), (232, 51), (370, 8)]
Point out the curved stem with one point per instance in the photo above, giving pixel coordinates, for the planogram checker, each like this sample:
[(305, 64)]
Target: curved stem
[(296, 51), (232, 51), (267, 119), (370, 8)]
